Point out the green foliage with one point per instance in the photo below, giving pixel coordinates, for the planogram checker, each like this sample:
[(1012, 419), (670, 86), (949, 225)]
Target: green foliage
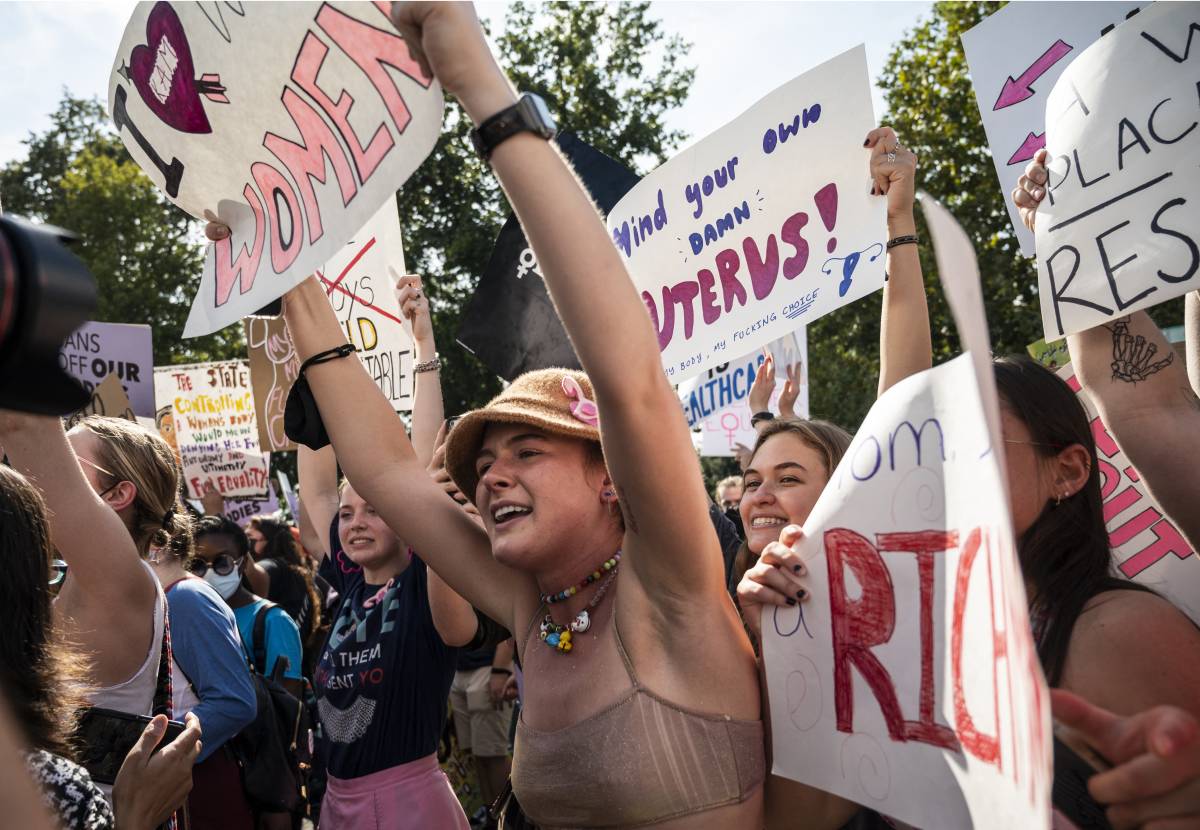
[(144, 252), (607, 72)]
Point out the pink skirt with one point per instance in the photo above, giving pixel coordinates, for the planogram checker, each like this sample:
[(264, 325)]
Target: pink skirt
[(416, 795)]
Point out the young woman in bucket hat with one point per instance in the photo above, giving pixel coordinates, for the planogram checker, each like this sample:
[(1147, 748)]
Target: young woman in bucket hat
[(601, 561)]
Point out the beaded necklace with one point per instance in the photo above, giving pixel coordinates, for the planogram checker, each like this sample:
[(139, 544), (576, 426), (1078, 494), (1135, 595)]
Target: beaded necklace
[(567, 593), (558, 637)]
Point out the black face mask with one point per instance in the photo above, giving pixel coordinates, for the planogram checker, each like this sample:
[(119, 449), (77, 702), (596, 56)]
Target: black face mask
[(301, 418)]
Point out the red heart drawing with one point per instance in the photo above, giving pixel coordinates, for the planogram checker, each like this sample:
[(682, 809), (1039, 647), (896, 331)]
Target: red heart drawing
[(162, 71)]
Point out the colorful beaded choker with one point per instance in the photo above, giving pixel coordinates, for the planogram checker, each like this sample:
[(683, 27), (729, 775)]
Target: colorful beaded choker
[(558, 637), (567, 593)]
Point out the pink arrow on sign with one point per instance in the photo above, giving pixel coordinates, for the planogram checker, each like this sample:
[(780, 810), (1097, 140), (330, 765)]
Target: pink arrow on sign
[(1032, 143), (1017, 90)]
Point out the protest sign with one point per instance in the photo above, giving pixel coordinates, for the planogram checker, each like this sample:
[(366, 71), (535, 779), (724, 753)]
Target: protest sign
[(95, 351), (918, 611), (1117, 230), (912, 665), (1147, 547), (1015, 56), (108, 399), (243, 510), (1053, 354), (274, 366), (214, 427), (289, 494), (763, 225), (727, 386), (720, 434), (363, 297), (510, 325), (289, 122)]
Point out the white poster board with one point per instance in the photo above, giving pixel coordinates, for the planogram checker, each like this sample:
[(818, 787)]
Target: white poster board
[(96, 351), (1015, 56), (764, 225), (909, 681), (724, 425), (1118, 229), (290, 122), (913, 664), (362, 293), (215, 427), (728, 384)]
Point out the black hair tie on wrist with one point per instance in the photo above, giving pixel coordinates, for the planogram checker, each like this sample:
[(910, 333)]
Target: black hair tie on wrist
[(301, 418)]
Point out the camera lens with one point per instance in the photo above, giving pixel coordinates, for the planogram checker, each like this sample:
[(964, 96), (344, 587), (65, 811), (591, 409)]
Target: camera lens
[(45, 294)]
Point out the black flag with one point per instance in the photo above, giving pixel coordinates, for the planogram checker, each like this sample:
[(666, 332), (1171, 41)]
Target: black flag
[(510, 324)]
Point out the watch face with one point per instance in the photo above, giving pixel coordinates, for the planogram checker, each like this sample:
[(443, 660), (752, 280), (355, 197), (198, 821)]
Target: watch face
[(543, 114)]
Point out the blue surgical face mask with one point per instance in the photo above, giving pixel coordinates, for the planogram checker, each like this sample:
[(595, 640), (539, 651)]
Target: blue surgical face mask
[(226, 585)]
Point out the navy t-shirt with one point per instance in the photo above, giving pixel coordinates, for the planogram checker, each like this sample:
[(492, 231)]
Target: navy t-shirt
[(384, 675)]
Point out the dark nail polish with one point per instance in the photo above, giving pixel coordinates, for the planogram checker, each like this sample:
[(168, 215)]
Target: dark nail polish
[(867, 143), (801, 594), (797, 568), (791, 601)]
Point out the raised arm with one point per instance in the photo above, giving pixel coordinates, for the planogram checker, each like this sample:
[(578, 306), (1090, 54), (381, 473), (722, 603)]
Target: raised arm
[(317, 472), (904, 341), (645, 437), (453, 616), (375, 454), (87, 532), (1140, 388), (428, 411)]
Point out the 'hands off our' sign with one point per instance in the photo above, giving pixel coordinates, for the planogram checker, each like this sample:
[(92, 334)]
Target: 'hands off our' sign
[(290, 122), (761, 227), (1118, 230)]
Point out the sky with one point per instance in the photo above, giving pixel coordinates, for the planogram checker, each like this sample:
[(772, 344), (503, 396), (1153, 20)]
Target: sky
[(741, 51)]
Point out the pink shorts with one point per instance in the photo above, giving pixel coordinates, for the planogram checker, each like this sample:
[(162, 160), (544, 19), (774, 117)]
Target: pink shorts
[(416, 795)]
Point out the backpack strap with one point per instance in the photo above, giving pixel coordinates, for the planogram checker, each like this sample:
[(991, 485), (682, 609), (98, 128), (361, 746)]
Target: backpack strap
[(163, 693), (259, 640)]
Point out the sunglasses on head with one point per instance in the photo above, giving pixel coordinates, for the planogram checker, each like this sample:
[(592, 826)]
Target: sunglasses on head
[(224, 565)]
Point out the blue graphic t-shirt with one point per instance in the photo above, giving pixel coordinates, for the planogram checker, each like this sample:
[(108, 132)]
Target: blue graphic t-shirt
[(384, 675)]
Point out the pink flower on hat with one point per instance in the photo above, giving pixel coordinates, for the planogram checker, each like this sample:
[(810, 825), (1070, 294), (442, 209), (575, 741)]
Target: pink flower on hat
[(581, 408)]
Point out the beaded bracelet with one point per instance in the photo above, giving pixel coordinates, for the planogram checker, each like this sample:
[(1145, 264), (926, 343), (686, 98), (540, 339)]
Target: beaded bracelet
[(429, 365), (910, 239)]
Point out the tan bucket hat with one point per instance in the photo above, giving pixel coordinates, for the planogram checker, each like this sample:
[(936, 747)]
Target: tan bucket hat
[(559, 401)]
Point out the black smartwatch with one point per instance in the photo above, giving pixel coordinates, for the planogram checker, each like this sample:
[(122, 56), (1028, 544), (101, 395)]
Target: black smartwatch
[(529, 114)]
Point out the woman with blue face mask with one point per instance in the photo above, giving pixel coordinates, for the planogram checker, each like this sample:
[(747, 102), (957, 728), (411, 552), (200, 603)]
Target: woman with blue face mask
[(221, 548)]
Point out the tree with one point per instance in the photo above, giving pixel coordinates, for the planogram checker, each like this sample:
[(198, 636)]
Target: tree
[(145, 253), (608, 73)]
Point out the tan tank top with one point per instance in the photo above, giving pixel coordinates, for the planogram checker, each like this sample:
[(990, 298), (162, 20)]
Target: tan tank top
[(641, 761)]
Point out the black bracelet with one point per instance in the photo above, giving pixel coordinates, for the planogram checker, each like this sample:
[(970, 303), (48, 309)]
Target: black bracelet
[(910, 239), (757, 417), (343, 350), (498, 670)]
